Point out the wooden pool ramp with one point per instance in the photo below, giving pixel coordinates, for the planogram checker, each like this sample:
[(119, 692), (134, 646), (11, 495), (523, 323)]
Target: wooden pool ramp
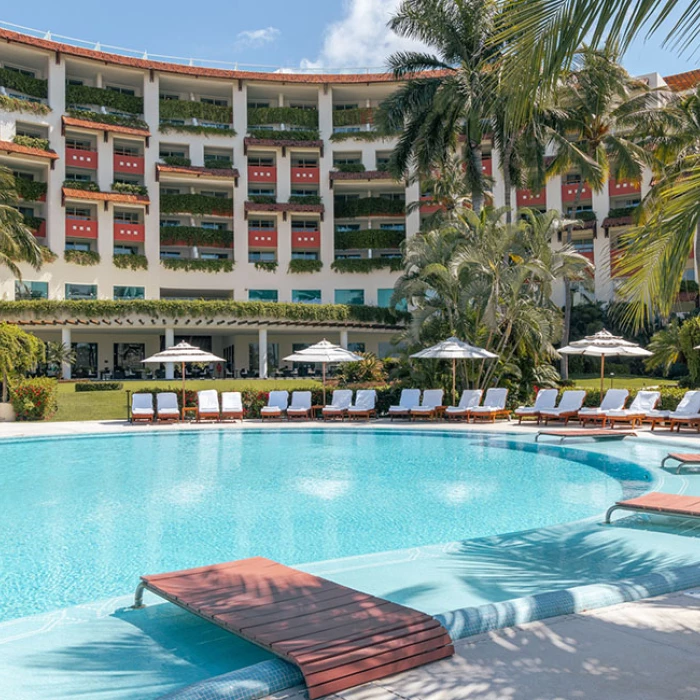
[(583, 433), (337, 636)]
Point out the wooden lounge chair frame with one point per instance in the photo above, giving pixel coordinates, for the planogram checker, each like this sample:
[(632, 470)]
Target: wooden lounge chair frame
[(660, 504), (634, 419), (686, 460), (141, 418), (677, 423), (362, 414), (490, 416), (584, 433)]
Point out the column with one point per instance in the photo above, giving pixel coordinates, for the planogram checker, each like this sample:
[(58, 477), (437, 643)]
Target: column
[(105, 162), (603, 287), (66, 369), (55, 213), (152, 219), (344, 339), (169, 342), (262, 353)]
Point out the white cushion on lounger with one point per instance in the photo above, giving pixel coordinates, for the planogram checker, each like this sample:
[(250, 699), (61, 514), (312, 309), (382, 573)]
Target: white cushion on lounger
[(614, 400), (365, 400), (301, 403), (142, 405), (276, 403), (410, 398), (642, 405), (470, 399), (167, 404), (208, 401), (546, 398), (231, 402), (495, 400), (431, 399), (340, 401), (571, 402)]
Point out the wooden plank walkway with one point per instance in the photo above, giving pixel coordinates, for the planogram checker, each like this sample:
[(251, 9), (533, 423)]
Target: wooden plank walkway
[(337, 636), (592, 433)]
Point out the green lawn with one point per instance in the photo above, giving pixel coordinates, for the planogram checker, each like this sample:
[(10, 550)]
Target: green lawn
[(592, 381), (110, 405)]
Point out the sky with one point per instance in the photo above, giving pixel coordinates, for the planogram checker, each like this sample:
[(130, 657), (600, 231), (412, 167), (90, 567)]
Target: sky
[(310, 34)]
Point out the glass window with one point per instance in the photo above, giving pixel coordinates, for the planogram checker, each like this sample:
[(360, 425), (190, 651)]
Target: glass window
[(129, 293), (258, 161), (213, 225), (81, 291), (340, 228), (121, 90), (78, 144), (351, 297), (214, 101), (169, 254), (392, 227), (384, 300), (254, 191), (273, 356), (128, 356), (304, 255), (306, 296), (214, 193), (299, 192), (124, 250), (213, 256), (262, 295), (261, 224), (262, 256), (298, 225), (356, 347), (85, 364), (169, 222), (78, 177), (258, 104), (347, 105), (75, 245), (126, 217), (77, 213), (31, 290)]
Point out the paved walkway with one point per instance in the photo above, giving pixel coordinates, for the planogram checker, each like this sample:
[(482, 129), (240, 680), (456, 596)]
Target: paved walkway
[(646, 650)]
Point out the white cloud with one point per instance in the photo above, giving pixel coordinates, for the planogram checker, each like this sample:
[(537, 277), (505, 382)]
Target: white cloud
[(254, 38), (361, 39)]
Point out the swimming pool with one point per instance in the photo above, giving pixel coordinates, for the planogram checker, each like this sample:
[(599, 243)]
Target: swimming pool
[(82, 518)]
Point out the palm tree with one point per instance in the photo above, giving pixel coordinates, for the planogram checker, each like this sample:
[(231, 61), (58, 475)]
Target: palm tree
[(59, 354), (596, 112), (17, 242)]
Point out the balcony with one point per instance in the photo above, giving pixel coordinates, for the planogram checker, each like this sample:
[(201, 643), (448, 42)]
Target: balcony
[(487, 166), (305, 175), (129, 164), (262, 238), (569, 191), (129, 233), (262, 173), (306, 240), (38, 227), (617, 188), (77, 158), (81, 228), (527, 198)]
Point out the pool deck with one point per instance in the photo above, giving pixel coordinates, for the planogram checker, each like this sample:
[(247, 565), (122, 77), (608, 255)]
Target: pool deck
[(103, 650)]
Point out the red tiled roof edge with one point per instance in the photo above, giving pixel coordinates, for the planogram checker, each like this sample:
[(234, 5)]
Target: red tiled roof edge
[(227, 173), (101, 126), (11, 147), (610, 222), (106, 196), (683, 81)]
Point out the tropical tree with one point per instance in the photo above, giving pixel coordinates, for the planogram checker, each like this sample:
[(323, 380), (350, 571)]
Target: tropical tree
[(19, 352), (59, 354), (666, 348), (17, 242)]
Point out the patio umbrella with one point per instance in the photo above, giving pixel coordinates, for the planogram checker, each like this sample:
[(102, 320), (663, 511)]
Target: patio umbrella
[(454, 349), (602, 344), (183, 353), (325, 353)]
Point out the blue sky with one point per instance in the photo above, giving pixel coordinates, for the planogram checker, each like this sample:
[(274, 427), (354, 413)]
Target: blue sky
[(279, 33)]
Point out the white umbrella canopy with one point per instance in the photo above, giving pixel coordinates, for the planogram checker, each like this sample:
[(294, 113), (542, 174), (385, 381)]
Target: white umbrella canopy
[(324, 353), (454, 349), (602, 344), (183, 353)]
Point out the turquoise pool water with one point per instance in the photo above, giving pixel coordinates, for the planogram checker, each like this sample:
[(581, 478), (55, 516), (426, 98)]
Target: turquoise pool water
[(82, 518)]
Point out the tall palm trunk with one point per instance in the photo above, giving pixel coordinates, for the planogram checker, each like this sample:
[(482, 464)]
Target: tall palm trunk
[(5, 384), (505, 166)]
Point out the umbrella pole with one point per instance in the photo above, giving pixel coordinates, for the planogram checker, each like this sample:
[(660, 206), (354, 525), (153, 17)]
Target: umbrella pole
[(183, 389), (602, 375), (454, 378), (323, 371)]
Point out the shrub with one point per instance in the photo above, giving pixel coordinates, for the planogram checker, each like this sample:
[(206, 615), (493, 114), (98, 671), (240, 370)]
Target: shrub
[(31, 142), (267, 265), (305, 199), (353, 117), (30, 190), (585, 215), (283, 115), (369, 238), (98, 386), (34, 399), (670, 397), (191, 109), (82, 257), (622, 212), (195, 204), (15, 104), (112, 119), (88, 95), (130, 188), (350, 167), (360, 136), (35, 87), (689, 286), (217, 163), (87, 186), (286, 135), (367, 206), (194, 235), (33, 222), (300, 266), (197, 265), (130, 261), (177, 160), (204, 129), (366, 265), (262, 198)]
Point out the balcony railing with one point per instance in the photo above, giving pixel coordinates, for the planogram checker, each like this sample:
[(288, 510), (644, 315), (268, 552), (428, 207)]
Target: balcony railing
[(262, 173), (77, 158), (528, 198), (305, 174), (128, 232), (262, 238), (617, 188), (569, 191), (81, 228), (306, 239), (129, 164)]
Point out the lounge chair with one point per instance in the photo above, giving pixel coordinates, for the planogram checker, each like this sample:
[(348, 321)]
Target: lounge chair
[(568, 408), (687, 408), (469, 400), (231, 405), (167, 407), (660, 504), (614, 400), (643, 404), (688, 415), (208, 405), (432, 398), (339, 405), (545, 399), (277, 402), (365, 405), (142, 408), (494, 406), (301, 406), (410, 398)]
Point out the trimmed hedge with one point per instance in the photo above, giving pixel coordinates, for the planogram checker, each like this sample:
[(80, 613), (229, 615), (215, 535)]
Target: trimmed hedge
[(98, 386), (130, 188), (193, 235), (30, 190), (366, 265), (360, 136), (33, 222), (353, 117), (88, 95), (82, 257), (190, 109), (197, 265), (14, 104), (217, 163), (670, 396), (369, 238), (113, 119), (262, 199), (286, 135), (34, 399), (177, 160), (85, 185), (301, 266), (266, 265), (305, 199), (621, 212), (283, 115), (156, 308), (368, 206), (195, 204), (31, 142), (35, 87), (130, 261), (196, 129), (350, 167)]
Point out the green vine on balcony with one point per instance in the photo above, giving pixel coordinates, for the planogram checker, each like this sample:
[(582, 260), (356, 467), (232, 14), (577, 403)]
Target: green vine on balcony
[(266, 265), (197, 265), (350, 167), (262, 198), (33, 223), (15, 104), (584, 215), (111, 119), (195, 204), (286, 135), (181, 161), (283, 115), (190, 109), (47, 255), (130, 261), (130, 188), (30, 190), (103, 97), (303, 266), (369, 206), (360, 136), (26, 84), (353, 117), (366, 265), (86, 185), (218, 163), (369, 238), (201, 129), (31, 142), (194, 235), (82, 257), (622, 212), (305, 199)]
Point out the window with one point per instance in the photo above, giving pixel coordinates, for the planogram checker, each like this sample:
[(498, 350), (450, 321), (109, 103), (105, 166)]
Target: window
[(299, 225), (262, 224), (572, 178), (254, 191), (392, 256), (218, 158), (85, 364), (78, 144), (346, 197), (356, 347), (81, 291), (165, 152), (306, 296), (74, 81), (120, 90), (78, 245), (304, 255), (348, 256), (77, 213), (273, 356), (299, 192), (164, 223), (170, 190), (346, 129), (168, 96), (352, 297), (214, 101), (341, 228), (124, 250), (258, 104), (21, 71), (169, 254), (121, 293), (581, 207), (26, 211), (78, 177), (128, 356), (261, 161), (302, 105), (346, 160), (215, 125), (262, 295), (214, 193), (213, 256), (392, 227), (126, 217), (262, 256), (304, 163), (342, 107), (31, 290), (213, 226), (384, 300), (19, 175), (126, 151), (395, 196)]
